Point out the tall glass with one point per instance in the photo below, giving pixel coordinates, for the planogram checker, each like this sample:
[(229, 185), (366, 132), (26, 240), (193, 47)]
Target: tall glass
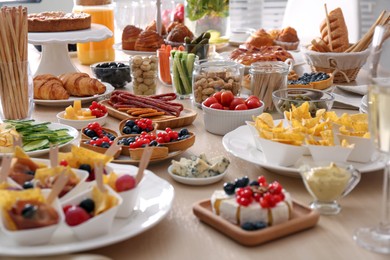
[(377, 238)]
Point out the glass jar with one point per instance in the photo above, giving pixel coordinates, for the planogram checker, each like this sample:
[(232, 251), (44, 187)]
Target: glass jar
[(267, 77), (211, 76), (144, 74), (102, 12), (201, 16)]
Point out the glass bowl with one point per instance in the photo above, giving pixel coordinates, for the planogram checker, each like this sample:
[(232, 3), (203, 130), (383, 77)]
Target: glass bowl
[(283, 99), (116, 73)]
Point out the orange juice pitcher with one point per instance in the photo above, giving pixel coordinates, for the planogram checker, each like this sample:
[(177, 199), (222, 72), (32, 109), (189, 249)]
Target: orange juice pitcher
[(102, 12)]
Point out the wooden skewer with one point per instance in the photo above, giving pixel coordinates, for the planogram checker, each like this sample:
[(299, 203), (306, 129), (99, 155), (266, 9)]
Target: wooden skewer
[(328, 26), (5, 166), (143, 163), (57, 187), (53, 153), (98, 169), (114, 148)]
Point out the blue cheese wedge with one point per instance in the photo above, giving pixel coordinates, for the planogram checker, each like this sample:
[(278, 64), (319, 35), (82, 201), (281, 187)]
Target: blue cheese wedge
[(200, 166)]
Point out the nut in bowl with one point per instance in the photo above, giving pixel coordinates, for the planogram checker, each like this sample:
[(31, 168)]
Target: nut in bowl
[(284, 99), (115, 73), (219, 120), (328, 181)]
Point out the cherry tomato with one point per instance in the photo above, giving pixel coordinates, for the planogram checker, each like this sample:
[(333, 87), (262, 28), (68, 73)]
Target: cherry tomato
[(209, 101), (216, 106), (253, 96), (241, 107), (226, 98), (217, 95), (253, 103), (235, 102)]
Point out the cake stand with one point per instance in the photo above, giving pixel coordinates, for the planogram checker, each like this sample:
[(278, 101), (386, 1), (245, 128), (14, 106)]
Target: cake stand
[(55, 57)]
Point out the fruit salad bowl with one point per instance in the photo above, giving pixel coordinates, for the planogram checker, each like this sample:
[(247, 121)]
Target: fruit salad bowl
[(116, 73)]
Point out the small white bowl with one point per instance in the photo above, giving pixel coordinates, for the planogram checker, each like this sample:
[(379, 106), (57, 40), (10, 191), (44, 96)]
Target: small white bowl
[(220, 122), (196, 181), (335, 153), (35, 236), (364, 149), (79, 124), (281, 154), (97, 225)]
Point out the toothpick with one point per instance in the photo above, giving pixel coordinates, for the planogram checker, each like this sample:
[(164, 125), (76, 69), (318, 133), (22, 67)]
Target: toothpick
[(57, 187), (53, 153), (98, 169), (114, 148), (5, 165), (17, 141), (147, 153), (329, 31)]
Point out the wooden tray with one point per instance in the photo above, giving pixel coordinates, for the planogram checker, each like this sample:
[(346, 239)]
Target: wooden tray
[(302, 218), (187, 116), (123, 159)]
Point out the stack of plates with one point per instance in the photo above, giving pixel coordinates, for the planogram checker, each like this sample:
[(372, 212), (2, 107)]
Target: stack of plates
[(364, 105)]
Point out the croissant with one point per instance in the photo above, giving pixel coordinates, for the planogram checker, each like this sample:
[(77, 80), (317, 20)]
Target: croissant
[(153, 27), (49, 87), (259, 38), (81, 84), (339, 41), (148, 41), (129, 36)]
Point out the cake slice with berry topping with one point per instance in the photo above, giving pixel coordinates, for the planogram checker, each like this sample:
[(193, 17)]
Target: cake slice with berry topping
[(252, 205)]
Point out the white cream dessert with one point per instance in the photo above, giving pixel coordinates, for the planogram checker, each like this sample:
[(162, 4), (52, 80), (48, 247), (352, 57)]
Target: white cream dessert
[(252, 205)]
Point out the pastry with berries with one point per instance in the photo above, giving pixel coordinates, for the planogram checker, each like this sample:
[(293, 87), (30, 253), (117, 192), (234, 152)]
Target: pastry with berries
[(252, 204)]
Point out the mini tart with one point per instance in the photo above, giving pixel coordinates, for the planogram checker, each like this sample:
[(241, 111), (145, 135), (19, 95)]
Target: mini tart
[(84, 136), (97, 148), (180, 145), (159, 152), (320, 85), (123, 122)]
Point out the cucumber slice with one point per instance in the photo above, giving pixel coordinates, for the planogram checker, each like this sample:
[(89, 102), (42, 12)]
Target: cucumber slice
[(35, 145)]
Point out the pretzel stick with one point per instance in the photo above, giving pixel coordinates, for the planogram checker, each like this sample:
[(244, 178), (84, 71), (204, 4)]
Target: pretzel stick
[(329, 31)]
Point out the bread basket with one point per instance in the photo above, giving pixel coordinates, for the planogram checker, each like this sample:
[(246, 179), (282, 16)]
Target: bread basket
[(343, 65)]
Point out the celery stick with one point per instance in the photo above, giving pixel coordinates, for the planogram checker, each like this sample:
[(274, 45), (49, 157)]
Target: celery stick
[(183, 75), (190, 64)]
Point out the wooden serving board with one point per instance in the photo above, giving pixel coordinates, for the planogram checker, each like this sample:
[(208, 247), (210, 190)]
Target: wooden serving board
[(302, 218), (187, 116), (123, 159)]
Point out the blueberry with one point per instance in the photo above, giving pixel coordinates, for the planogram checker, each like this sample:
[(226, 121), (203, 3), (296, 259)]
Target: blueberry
[(131, 139), (242, 182), (153, 143), (121, 65), (28, 185), (136, 129), (183, 132), (111, 136), (90, 133), (143, 145), (29, 211), (248, 226), (229, 188), (88, 205), (105, 145), (85, 167), (30, 172), (254, 183), (130, 123), (126, 130), (260, 225)]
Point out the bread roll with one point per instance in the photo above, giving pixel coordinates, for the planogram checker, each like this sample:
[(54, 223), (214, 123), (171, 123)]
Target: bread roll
[(339, 41), (148, 41)]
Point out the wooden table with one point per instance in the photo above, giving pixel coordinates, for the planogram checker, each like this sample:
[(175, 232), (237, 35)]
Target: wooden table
[(182, 236)]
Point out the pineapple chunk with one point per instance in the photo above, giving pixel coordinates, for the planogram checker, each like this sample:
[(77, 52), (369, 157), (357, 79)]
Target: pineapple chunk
[(77, 105), (70, 113)]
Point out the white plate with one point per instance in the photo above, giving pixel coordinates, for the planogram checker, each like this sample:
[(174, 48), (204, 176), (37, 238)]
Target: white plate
[(240, 143), (365, 101), (118, 47), (71, 99), (156, 197), (71, 131), (196, 181)]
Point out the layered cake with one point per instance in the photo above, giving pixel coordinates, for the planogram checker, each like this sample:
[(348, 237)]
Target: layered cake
[(252, 205), (58, 22)]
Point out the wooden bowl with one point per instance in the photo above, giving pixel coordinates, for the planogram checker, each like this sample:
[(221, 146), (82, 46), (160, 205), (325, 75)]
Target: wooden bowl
[(158, 153), (97, 148), (84, 136), (123, 122), (182, 144)]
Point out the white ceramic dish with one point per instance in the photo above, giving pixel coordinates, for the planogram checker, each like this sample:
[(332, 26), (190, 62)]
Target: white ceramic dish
[(156, 198), (118, 47), (71, 131), (239, 142), (71, 99), (196, 181), (79, 124)]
